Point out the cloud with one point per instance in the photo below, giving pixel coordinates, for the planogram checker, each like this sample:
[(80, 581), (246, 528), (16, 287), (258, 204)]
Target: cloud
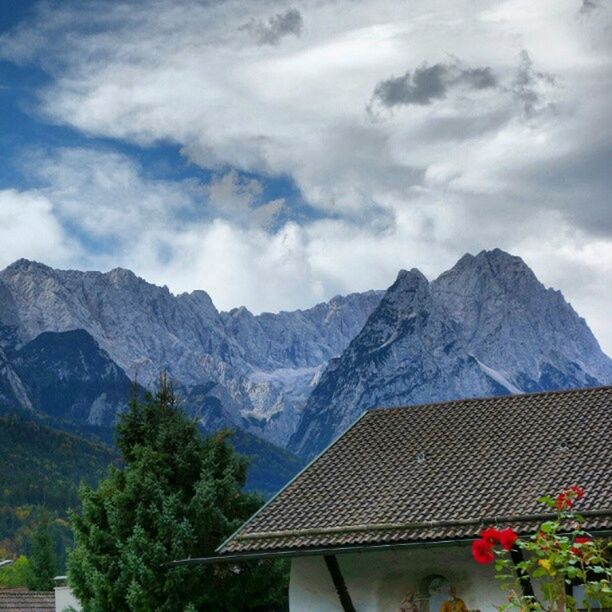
[(239, 199), (271, 32), (106, 196), (473, 153), (29, 228), (529, 86), (588, 6), (429, 83)]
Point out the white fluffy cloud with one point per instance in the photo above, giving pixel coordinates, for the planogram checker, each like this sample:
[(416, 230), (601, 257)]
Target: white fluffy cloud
[(405, 170), (29, 228)]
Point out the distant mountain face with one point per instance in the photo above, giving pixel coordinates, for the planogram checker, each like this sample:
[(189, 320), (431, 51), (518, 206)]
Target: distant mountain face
[(70, 341), (64, 379), (65, 376), (254, 372), (69, 377), (485, 327)]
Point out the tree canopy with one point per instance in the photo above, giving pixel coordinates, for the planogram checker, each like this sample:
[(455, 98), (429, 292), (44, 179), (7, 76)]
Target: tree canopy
[(43, 562), (16, 574), (178, 495)]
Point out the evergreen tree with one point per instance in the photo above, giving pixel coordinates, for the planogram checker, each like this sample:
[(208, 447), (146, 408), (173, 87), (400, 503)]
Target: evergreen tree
[(43, 563), (178, 495)]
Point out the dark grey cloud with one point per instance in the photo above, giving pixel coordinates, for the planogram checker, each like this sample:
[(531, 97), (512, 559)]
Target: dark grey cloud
[(588, 6), (528, 84), (429, 83), (272, 31)]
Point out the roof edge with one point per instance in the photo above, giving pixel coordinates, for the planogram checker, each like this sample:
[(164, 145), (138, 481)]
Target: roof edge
[(488, 397), (235, 533), (336, 550), (517, 518)]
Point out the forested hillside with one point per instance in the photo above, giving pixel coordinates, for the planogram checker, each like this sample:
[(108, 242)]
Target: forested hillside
[(40, 471)]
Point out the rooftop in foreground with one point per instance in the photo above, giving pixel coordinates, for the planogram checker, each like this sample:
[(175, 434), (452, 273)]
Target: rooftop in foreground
[(439, 472), (22, 600)]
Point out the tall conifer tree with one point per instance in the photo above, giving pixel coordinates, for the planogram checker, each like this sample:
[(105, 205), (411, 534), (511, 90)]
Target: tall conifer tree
[(43, 562), (178, 495)]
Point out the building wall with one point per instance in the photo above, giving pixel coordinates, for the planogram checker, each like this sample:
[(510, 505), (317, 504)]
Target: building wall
[(65, 600), (378, 581)]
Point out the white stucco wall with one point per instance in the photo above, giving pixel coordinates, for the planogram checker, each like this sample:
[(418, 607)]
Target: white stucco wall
[(379, 580), (65, 600)]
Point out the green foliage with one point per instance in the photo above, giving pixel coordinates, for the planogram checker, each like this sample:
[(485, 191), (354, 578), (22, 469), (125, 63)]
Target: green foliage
[(40, 472), (43, 563), (16, 574), (559, 555), (270, 467), (178, 495)]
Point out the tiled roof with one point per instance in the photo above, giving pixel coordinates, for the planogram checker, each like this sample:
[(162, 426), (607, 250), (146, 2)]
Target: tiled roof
[(441, 471), (20, 600)]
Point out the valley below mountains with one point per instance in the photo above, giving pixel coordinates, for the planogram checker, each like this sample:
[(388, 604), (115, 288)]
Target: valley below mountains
[(71, 342)]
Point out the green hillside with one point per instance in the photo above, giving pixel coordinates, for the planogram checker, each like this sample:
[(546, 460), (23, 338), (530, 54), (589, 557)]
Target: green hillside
[(270, 468), (40, 470)]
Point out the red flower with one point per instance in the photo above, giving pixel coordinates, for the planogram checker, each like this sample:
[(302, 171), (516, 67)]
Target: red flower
[(482, 552), (563, 501), (567, 498), (507, 538), (491, 535), (579, 540), (578, 491)]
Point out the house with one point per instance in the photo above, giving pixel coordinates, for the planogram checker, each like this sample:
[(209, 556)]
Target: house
[(22, 600), (61, 599), (393, 505)]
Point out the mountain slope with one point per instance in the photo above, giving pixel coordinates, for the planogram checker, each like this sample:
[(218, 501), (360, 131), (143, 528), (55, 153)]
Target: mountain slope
[(260, 368), (67, 376), (41, 469), (66, 381), (63, 376), (485, 327)]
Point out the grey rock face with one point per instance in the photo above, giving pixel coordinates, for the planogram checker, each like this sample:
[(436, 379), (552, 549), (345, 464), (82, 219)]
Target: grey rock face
[(65, 376), (235, 368), (487, 326)]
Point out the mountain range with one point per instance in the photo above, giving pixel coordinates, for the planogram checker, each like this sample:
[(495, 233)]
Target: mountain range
[(71, 342)]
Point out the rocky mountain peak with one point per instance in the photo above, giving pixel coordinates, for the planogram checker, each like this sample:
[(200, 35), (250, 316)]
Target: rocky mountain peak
[(409, 278), (122, 276), (498, 267), (27, 267), (409, 293), (485, 327)]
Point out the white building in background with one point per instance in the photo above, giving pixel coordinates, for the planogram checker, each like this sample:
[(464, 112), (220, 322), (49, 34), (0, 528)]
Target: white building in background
[(65, 600), (392, 506)]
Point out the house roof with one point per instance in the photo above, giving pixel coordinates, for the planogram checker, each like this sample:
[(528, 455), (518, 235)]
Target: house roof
[(438, 472), (21, 600)]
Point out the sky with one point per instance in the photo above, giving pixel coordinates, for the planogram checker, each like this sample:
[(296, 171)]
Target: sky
[(278, 153)]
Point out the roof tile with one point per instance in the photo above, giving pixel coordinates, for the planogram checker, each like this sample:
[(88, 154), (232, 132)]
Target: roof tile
[(455, 465)]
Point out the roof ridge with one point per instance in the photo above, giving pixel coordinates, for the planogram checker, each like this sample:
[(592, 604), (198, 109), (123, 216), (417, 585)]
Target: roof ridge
[(469, 400)]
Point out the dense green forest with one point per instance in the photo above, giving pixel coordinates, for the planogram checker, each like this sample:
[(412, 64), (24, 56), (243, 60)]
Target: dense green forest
[(41, 468), (40, 472)]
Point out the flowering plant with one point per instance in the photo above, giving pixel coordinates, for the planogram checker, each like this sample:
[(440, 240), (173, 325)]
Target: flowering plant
[(559, 556)]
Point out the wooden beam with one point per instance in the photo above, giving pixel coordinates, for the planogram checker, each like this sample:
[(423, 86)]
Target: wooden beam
[(338, 580), (516, 554)]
